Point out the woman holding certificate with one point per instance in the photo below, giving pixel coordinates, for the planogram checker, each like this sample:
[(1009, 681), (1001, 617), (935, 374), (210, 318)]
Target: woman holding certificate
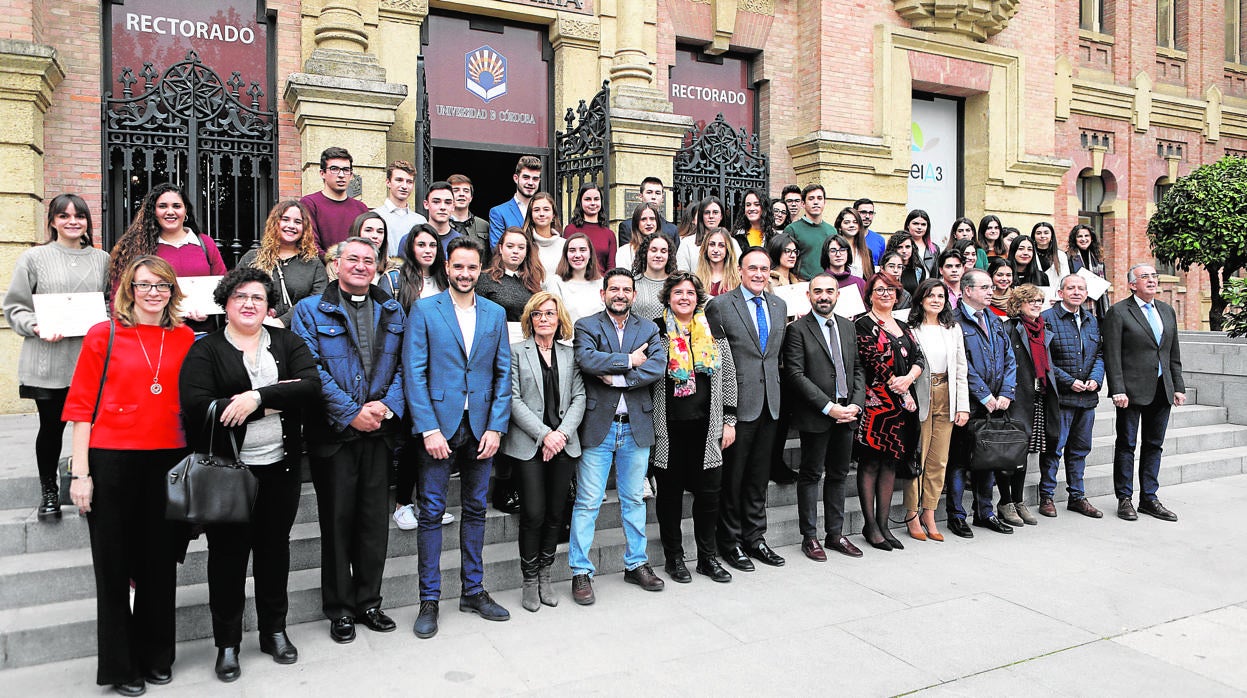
[(67, 263), (165, 226), (287, 253), (121, 457)]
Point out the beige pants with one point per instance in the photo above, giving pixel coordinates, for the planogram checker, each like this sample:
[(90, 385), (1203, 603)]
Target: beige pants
[(937, 430)]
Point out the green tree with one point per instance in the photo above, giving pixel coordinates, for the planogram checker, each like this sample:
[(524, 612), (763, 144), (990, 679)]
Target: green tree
[(1203, 220), (1235, 294)]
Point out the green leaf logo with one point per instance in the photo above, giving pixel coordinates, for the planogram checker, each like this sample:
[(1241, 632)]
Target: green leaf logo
[(916, 132)]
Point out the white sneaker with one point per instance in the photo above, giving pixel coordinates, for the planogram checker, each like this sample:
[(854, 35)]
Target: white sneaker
[(447, 518), (405, 517)]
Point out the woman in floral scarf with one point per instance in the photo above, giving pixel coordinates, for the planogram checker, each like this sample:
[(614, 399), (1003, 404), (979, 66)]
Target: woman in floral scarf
[(694, 420)]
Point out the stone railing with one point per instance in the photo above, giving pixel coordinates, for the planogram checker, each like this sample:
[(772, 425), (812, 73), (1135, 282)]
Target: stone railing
[(1216, 366)]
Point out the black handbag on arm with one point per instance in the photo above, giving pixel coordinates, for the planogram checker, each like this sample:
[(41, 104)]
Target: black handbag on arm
[(204, 488), (999, 443)]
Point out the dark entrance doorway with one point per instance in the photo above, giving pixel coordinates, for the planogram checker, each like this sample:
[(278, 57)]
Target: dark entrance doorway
[(490, 170)]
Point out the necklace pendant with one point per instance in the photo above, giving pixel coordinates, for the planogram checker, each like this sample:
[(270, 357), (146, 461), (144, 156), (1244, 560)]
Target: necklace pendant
[(157, 388)]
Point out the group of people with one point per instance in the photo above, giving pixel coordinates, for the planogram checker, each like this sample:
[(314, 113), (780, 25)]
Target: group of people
[(658, 350)]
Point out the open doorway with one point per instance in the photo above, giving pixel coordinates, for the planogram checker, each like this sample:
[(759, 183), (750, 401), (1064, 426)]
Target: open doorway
[(489, 169)]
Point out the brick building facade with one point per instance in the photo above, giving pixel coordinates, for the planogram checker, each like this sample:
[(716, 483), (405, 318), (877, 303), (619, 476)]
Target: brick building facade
[(1056, 101)]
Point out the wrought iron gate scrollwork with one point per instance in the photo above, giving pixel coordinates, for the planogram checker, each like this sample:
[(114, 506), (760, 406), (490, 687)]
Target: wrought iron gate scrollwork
[(582, 152), (424, 138), (722, 161), (188, 126)]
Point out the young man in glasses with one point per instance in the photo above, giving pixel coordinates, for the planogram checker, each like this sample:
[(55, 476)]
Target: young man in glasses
[(332, 210)]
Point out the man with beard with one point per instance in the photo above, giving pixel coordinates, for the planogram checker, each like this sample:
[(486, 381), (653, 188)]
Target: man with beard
[(458, 386), (827, 386), (510, 214), (620, 357)]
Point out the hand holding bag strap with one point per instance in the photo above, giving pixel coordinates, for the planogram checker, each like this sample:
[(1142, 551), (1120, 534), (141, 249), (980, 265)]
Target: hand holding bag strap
[(210, 421)]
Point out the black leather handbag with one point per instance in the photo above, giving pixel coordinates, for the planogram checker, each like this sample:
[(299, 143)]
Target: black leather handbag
[(204, 488), (999, 443)]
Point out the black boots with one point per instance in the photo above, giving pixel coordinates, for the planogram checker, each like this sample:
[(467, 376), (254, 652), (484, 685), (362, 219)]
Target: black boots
[(50, 503)]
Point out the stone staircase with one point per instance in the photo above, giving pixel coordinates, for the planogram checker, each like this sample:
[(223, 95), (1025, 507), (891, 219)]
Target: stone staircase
[(47, 606)]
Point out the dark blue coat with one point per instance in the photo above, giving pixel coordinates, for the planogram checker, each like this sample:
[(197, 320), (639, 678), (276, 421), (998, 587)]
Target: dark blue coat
[(1074, 355), (992, 369)]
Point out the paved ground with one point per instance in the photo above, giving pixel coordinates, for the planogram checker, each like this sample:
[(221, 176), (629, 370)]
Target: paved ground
[(1073, 607)]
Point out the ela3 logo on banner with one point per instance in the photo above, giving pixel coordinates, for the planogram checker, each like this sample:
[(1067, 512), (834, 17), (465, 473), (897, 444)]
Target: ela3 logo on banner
[(924, 171), (486, 72)]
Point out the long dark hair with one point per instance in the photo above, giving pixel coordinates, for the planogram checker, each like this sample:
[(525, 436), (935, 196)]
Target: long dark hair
[(918, 314), (411, 280), (641, 261), (1031, 273), (997, 245), (578, 212), (59, 205), (1049, 256), (694, 222), (1071, 245), (741, 223), (952, 231)]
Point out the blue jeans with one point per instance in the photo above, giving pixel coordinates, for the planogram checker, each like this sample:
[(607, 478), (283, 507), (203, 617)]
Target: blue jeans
[(1073, 441), (1149, 422), (630, 462), (434, 477)]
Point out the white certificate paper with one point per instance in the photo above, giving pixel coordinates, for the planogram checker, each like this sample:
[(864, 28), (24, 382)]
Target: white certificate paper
[(849, 305), (69, 314), (198, 291), (515, 333), (794, 296), (1096, 287)]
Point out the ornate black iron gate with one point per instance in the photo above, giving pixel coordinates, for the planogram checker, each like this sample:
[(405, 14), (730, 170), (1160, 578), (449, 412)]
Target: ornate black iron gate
[(424, 139), (582, 152), (722, 161), (188, 126)]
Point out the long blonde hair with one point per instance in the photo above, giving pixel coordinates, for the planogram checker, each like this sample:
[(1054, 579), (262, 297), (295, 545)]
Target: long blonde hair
[(270, 242), (731, 270)]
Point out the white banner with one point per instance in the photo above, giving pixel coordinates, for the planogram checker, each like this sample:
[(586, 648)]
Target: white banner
[(934, 149)]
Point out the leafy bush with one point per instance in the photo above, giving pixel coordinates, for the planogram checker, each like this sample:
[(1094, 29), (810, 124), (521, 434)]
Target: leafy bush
[(1235, 295)]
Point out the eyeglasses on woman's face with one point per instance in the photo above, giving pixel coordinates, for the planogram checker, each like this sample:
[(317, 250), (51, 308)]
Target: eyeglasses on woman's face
[(163, 287)]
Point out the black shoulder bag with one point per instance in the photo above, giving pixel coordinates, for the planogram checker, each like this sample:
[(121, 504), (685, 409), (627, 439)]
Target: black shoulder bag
[(204, 488)]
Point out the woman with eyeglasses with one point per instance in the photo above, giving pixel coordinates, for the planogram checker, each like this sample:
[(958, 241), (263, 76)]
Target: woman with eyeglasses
[(964, 230), (121, 457), (893, 265), (778, 219), (1001, 272), (547, 405), (66, 263), (1035, 406), (694, 420), (288, 253), (650, 271), (784, 254), (837, 259), (1053, 261), (259, 379), (888, 433), (1085, 253)]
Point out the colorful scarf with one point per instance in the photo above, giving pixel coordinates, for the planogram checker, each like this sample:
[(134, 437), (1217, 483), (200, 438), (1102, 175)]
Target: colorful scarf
[(689, 355), (1039, 352)]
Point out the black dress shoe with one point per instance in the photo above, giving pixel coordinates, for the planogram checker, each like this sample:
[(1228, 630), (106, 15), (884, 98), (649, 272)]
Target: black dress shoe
[(483, 605), (762, 552), (227, 668), (783, 475), (994, 524), (960, 528), (158, 677), (342, 630), (1125, 510), (131, 688), (677, 570), (710, 567), (508, 502), (882, 544), (376, 621), (736, 558), (1157, 510), (279, 646), (892, 541), (426, 621)]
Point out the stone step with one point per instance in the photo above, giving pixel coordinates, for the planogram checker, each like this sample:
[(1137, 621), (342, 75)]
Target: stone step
[(64, 629)]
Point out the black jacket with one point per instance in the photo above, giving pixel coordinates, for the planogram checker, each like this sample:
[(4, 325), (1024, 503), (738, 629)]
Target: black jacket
[(213, 371)]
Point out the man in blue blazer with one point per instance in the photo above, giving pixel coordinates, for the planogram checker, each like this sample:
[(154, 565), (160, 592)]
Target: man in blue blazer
[(620, 357), (510, 213), (992, 377), (457, 376)]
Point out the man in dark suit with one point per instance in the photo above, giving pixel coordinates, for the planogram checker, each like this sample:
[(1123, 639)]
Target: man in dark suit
[(827, 390), (991, 371), (458, 386), (753, 322), (620, 357), (1144, 368)]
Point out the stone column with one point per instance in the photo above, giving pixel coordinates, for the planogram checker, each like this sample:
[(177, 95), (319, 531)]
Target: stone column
[(644, 132), (29, 73), (398, 40), (342, 98)]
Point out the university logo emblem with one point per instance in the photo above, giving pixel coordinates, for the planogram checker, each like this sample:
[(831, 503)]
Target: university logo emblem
[(486, 72)]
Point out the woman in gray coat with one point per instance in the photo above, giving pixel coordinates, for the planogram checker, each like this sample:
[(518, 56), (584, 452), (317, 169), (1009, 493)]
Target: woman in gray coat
[(547, 404), (694, 420)]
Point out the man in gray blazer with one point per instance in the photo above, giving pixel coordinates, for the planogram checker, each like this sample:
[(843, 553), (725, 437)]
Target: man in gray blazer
[(826, 393), (753, 322), (620, 357), (1143, 364)]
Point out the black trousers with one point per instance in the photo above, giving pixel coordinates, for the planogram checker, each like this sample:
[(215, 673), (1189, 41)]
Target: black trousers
[(268, 534), (746, 471), (543, 507), (51, 431), (130, 540), (1012, 484), (827, 452), (686, 472), (408, 460), (352, 499)]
